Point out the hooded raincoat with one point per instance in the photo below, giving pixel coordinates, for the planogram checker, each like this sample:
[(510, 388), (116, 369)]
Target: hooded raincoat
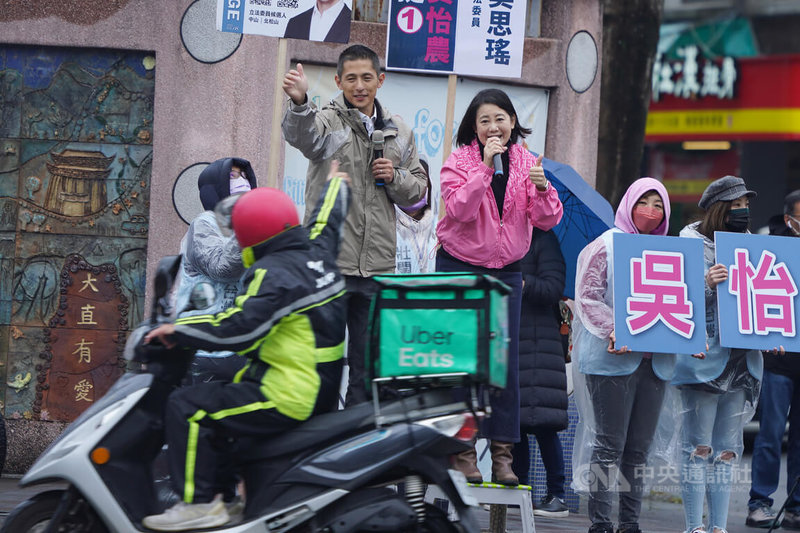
[(209, 256), (619, 396)]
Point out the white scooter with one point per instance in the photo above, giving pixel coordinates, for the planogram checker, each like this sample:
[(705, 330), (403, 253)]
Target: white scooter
[(338, 472)]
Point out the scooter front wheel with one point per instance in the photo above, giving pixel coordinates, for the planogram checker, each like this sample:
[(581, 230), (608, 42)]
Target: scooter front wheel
[(34, 514)]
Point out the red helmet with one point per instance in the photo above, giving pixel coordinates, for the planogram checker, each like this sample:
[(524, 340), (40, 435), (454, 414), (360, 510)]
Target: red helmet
[(261, 214)]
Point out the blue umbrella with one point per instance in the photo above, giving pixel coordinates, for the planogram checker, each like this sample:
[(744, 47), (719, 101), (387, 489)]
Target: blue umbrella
[(586, 215)]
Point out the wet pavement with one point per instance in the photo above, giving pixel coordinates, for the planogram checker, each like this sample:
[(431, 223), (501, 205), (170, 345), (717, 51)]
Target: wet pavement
[(661, 512)]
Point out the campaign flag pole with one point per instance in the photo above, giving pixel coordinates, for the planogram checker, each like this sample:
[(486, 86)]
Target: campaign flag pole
[(449, 116), (277, 114)]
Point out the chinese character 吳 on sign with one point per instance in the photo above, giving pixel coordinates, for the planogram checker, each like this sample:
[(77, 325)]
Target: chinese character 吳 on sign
[(659, 293), (764, 295)]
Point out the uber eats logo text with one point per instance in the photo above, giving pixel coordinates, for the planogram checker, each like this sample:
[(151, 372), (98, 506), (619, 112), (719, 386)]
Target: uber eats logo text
[(424, 353)]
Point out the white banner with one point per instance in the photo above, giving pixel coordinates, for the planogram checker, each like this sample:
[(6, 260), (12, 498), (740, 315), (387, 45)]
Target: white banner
[(424, 112), (490, 36)]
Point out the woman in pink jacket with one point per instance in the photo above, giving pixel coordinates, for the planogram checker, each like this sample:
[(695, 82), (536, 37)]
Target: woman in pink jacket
[(489, 216)]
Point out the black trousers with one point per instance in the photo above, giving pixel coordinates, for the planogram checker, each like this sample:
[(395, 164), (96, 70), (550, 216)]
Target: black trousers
[(199, 422), (359, 298)]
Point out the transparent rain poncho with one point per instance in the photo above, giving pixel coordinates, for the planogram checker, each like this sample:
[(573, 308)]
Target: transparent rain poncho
[(713, 397), (618, 397), (212, 257)]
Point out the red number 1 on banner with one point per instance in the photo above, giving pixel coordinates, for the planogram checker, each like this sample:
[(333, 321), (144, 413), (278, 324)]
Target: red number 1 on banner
[(409, 19)]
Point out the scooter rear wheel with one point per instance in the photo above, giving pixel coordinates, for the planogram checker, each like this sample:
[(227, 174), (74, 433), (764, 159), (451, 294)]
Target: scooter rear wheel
[(34, 514)]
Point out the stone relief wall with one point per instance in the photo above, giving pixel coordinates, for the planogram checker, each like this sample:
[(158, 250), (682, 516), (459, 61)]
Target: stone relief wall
[(75, 164)]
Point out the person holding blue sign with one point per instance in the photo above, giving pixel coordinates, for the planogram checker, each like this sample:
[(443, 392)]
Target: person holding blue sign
[(780, 394), (495, 192), (719, 388), (625, 389)]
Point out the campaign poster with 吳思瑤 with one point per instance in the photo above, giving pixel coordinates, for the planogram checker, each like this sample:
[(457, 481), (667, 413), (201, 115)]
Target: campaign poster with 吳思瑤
[(467, 37)]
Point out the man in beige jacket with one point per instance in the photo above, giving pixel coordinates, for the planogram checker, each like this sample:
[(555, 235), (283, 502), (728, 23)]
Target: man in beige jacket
[(343, 130)]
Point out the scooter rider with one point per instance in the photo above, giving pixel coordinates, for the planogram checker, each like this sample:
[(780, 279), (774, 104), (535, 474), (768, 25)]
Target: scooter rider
[(289, 321)]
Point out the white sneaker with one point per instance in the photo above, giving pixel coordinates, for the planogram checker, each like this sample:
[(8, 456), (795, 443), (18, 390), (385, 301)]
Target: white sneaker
[(235, 508), (187, 516)]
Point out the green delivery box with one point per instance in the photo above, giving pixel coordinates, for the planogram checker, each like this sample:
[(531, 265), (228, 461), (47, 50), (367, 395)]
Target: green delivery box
[(439, 324)]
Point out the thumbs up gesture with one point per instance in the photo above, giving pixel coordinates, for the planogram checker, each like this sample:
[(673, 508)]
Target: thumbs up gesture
[(536, 174), (295, 85)]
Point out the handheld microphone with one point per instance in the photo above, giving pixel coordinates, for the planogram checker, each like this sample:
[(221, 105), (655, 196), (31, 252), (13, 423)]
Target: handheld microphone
[(498, 164), (377, 152)]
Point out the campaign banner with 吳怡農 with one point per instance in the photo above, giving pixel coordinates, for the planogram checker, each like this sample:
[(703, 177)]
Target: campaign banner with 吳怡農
[(659, 294), (466, 37), (757, 301)]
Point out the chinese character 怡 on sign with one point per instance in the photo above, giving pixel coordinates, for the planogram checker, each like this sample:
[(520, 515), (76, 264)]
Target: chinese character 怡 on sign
[(659, 293), (764, 294)]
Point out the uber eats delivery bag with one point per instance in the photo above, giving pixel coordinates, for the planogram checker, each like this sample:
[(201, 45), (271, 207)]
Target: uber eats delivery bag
[(438, 324)]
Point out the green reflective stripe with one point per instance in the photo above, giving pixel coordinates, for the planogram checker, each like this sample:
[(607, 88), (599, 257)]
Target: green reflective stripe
[(242, 409), (191, 455), (248, 257), (216, 320), (332, 353), (237, 378), (327, 207)]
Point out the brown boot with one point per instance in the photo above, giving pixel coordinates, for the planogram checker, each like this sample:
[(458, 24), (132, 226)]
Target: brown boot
[(501, 464), (467, 463)]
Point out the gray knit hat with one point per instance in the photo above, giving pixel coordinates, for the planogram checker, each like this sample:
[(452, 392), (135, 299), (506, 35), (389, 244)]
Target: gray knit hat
[(724, 189)]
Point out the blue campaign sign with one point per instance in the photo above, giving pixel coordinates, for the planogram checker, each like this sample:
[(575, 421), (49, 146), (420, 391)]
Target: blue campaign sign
[(757, 302), (659, 294), (231, 15), (422, 35)]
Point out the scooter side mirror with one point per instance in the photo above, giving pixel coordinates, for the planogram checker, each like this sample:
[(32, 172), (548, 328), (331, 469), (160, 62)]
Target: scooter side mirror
[(166, 272)]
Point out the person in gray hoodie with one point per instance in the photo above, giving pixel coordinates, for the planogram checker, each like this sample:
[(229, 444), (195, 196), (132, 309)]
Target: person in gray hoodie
[(210, 256)]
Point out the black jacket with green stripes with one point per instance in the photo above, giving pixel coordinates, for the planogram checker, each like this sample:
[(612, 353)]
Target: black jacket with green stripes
[(290, 318)]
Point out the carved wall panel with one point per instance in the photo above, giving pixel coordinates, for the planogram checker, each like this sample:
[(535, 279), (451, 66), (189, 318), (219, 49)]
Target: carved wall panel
[(75, 164)]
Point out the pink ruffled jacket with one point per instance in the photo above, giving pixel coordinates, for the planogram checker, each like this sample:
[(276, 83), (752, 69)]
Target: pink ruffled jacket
[(471, 229)]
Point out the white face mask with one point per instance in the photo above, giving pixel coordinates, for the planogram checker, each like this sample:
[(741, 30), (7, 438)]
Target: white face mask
[(791, 227), (239, 184)]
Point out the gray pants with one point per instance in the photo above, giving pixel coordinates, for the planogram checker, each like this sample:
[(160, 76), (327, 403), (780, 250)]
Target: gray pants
[(626, 410)]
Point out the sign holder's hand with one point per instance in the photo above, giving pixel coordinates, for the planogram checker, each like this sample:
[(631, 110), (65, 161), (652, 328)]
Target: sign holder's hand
[(612, 339), (295, 85), (716, 275), (701, 355), (536, 174)]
